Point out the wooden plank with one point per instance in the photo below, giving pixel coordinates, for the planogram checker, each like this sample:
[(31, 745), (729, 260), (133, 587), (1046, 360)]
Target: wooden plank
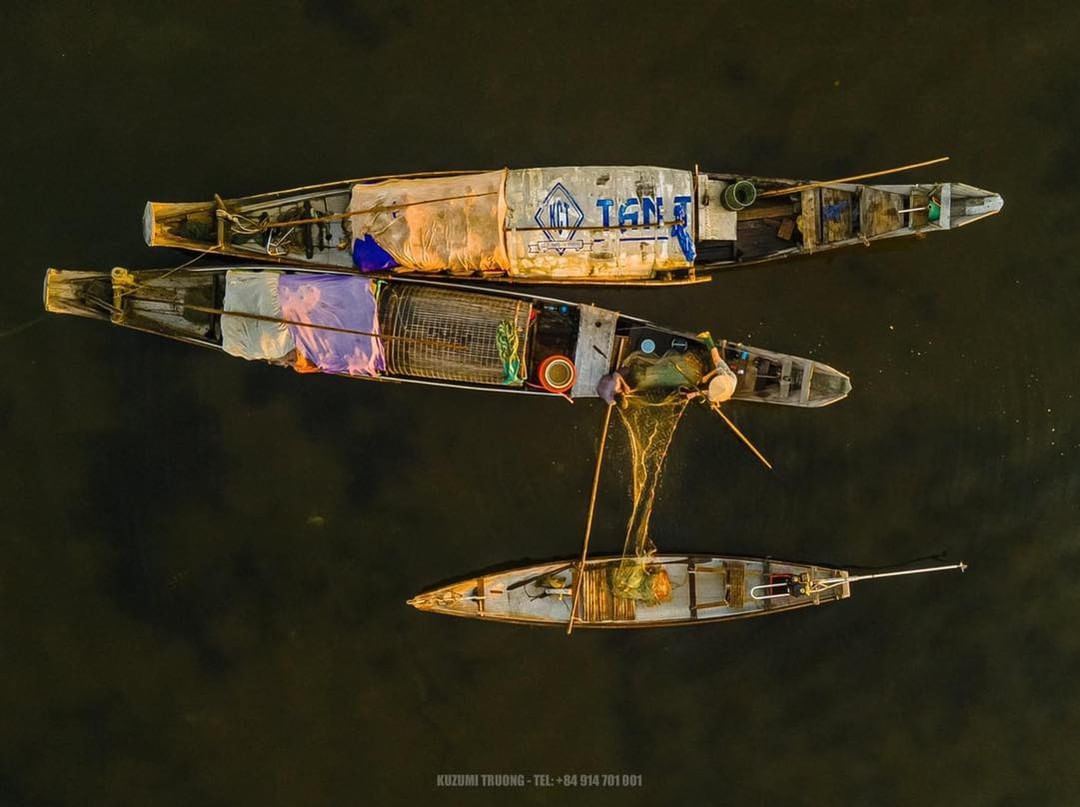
[(767, 211), (765, 569), (809, 223), (736, 578), (594, 355), (878, 212), (691, 581), (836, 218), (945, 198), (707, 605)]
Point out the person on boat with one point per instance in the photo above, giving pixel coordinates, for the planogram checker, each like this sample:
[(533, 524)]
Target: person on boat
[(612, 386), (719, 384), (674, 371)]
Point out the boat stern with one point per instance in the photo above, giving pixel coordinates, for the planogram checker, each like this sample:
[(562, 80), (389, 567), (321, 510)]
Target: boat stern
[(78, 293), (186, 225)]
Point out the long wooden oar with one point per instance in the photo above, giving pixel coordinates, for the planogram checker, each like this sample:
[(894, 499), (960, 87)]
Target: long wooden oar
[(278, 225), (592, 505), (811, 185), (741, 436)]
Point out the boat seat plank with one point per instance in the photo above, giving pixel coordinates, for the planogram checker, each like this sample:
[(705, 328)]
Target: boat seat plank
[(736, 583), (599, 604), (878, 212), (767, 209), (691, 583), (809, 223), (594, 354), (836, 218), (918, 218), (785, 376)]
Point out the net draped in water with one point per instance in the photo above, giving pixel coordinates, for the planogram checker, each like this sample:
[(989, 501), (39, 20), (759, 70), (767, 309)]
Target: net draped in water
[(650, 421)]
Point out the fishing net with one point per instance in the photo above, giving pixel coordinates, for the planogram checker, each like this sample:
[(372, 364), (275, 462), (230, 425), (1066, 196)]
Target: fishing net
[(650, 419)]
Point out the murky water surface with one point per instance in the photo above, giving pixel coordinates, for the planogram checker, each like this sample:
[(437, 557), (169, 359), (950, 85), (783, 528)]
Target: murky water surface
[(206, 561)]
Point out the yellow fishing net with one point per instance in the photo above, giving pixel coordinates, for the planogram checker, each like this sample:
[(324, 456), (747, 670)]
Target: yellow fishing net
[(650, 421)]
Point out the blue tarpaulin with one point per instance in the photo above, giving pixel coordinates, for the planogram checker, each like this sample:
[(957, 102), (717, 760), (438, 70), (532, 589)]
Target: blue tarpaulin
[(368, 256)]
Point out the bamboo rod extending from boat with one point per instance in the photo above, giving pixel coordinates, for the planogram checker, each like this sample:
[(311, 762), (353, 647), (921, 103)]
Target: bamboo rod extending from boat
[(812, 185), (741, 436), (578, 584), (277, 225), (601, 227), (281, 321), (361, 180), (857, 577)]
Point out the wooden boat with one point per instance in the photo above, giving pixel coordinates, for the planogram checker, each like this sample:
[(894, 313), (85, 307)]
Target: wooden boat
[(675, 590), (418, 331), (630, 225)]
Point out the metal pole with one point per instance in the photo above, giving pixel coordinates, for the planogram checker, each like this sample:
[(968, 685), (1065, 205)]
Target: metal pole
[(961, 566)]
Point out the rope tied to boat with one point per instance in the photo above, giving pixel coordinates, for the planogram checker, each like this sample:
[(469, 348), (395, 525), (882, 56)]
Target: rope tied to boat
[(245, 225), (508, 343)]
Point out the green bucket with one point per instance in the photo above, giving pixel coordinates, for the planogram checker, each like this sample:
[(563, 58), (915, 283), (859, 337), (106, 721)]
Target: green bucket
[(739, 194), (933, 210)]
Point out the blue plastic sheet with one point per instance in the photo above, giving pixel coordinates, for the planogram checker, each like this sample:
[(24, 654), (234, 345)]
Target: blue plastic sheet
[(368, 256)]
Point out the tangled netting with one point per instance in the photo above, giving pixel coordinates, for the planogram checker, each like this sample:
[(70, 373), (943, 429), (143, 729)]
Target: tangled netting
[(650, 422)]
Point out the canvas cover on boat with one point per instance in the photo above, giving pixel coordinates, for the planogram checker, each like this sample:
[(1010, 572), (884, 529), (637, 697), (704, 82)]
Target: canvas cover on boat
[(431, 225), (341, 316), (606, 222), (249, 338)]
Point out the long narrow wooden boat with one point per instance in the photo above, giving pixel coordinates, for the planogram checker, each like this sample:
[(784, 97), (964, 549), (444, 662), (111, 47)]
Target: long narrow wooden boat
[(667, 590), (630, 225), (420, 331)]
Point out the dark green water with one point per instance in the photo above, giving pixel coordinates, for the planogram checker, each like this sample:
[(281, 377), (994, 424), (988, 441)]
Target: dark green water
[(177, 628)]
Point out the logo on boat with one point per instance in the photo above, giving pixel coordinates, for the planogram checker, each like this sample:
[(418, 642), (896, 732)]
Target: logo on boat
[(559, 216)]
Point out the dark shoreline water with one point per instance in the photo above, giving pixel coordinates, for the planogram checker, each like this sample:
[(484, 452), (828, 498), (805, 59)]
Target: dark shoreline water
[(207, 560)]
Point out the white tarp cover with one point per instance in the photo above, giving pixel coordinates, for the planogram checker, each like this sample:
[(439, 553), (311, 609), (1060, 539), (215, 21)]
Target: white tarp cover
[(634, 208), (254, 293), (446, 223)]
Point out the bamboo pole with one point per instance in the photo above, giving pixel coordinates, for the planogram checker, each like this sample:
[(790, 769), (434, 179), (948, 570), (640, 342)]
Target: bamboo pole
[(741, 436), (601, 227), (592, 505), (368, 180), (277, 225), (281, 321), (811, 185)]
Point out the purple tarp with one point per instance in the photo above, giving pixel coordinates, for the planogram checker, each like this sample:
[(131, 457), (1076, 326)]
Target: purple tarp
[(338, 301)]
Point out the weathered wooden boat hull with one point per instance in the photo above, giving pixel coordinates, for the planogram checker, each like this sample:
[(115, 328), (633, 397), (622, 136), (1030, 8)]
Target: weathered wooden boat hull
[(572, 225), (418, 331), (699, 588)]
